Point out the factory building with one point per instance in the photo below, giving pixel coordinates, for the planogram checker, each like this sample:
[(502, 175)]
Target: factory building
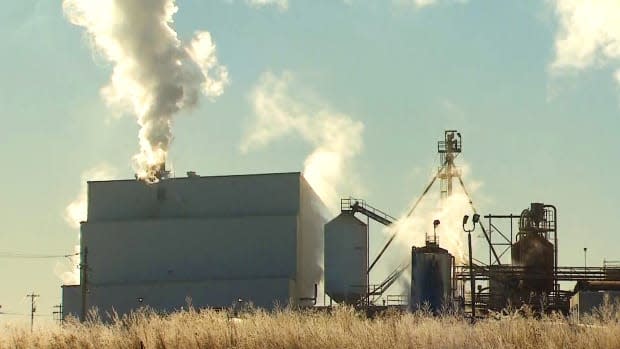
[(265, 239), (592, 295), (214, 240)]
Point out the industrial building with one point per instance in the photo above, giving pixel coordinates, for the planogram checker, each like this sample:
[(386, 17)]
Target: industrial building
[(268, 240), (591, 295), (214, 240)]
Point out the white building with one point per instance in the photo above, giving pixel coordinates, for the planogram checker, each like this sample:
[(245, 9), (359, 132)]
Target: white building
[(213, 240)]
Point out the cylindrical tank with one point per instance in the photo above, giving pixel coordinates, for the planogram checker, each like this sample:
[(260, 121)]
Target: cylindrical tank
[(535, 254), (431, 278), (346, 258)]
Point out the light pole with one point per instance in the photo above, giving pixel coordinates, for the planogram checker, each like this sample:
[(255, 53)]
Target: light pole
[(585, 260), (475, 219)]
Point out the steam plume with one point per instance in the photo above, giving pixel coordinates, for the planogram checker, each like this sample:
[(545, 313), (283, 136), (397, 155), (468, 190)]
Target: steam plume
[(76, 212), (154, 75), (413, 229), (336, 137), (450, 212)]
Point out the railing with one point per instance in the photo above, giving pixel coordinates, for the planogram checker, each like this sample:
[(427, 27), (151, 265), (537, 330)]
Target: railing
[(442, 147), (396, 299), (561, 273), (611, 264), (353, 205)]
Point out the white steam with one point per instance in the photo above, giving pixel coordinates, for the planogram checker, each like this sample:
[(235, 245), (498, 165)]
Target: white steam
[(69, 272), (75, 213), (589, 34), (336, 137), (154, 75), (414, 229)]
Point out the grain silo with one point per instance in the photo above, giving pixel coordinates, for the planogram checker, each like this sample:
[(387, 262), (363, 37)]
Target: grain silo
[(215, 240), (346, 259), (534, 254)]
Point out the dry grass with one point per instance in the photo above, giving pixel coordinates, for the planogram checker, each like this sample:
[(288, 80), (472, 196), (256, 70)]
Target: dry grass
[(343, 328)]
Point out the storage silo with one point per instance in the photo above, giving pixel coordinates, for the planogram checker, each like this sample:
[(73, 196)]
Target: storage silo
[(533, 251), (346, 259), (535, 254), (431, 277)]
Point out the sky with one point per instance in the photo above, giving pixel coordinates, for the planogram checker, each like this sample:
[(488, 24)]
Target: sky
[(355, 93)]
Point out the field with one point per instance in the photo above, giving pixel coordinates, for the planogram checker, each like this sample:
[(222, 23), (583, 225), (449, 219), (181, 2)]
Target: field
[(343, 328)]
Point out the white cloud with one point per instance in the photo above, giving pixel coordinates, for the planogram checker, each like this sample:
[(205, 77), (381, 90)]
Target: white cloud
[(336, 137), (588, 34), (415, 3), (419, 4), (281, 4), (424, 3)]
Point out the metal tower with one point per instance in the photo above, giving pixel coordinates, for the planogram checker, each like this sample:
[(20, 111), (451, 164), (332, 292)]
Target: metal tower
[(448, 150)]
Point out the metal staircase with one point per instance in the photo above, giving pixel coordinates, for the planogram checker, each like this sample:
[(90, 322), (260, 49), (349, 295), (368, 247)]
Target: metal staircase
[(352, 205)]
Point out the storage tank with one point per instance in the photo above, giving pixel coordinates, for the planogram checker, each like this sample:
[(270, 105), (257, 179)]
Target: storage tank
[(431, 277), (535, 254), (346, 258)]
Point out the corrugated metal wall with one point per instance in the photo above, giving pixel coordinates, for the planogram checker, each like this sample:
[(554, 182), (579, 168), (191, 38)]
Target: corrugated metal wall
[(214, 239)]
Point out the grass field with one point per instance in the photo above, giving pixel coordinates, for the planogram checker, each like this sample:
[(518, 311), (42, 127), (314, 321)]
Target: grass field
[(343, 328)]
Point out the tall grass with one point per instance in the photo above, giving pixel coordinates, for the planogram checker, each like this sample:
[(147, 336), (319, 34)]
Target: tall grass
[(342, 328)]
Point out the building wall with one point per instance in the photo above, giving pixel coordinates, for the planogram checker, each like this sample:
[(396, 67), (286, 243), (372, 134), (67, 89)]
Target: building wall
[(217, 196), (191, 249), (312, 216), (214, 239), (586, 302), (71, 301)]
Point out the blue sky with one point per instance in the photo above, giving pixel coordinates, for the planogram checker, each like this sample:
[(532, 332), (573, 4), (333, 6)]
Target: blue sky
[(530, 85)]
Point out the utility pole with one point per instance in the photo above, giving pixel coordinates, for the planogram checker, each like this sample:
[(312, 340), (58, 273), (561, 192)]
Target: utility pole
[(33, 308), (84, 282), (59, 313)]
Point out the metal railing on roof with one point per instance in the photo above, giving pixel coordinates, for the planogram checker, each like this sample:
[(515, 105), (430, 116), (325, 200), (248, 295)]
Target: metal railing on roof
[(353, 205)]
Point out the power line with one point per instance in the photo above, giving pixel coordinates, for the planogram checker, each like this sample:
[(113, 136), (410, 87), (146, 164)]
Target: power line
[(23, 314), (20, 255)]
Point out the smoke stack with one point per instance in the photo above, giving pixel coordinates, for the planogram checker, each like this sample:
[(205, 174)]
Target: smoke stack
[(161, 173), (155, 75)]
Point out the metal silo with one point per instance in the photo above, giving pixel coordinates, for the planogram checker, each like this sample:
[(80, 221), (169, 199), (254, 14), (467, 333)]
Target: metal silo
[(346, 259), (533, 251), (431, 277), (534, 254)]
